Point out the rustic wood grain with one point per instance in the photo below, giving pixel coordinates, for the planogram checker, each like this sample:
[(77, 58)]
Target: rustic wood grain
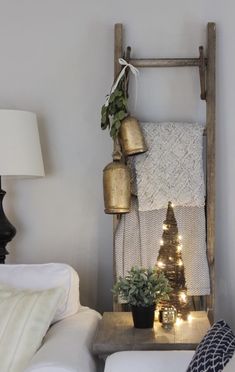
[(118, 49), (210, 124), (202, 72), (118, 53), (116, 333), (165, 62)]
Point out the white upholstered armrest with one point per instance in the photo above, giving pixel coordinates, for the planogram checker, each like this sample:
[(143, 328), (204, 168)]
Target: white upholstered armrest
[(154, 361), (148, 361), (67, 345)]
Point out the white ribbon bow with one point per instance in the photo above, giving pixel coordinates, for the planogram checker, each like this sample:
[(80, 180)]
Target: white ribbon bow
[(134, 71)]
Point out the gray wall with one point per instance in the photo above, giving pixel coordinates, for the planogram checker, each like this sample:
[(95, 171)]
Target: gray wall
[(57, 60)]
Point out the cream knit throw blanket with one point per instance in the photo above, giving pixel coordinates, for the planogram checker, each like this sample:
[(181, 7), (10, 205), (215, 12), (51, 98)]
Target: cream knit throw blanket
[(137, 243), (172, 168)]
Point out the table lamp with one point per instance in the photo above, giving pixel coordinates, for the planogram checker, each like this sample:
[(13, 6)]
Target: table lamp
[(20, 156)]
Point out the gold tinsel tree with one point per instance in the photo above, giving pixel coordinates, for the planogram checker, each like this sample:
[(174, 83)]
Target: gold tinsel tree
[(170, 262)]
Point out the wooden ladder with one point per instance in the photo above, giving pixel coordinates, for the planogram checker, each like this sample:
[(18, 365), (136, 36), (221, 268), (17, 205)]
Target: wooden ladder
[(208, 89)]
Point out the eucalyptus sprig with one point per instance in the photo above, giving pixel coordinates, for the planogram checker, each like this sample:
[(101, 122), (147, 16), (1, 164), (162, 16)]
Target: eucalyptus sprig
[(116, 110), (142, 287)]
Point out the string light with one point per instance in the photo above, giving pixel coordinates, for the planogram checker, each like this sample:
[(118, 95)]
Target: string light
[(161, 242), (190, 318), (180, 263), (161, 264), (156, 313), (178, 321), (183, 297), (180, 237), (164, 227), (179, 247)]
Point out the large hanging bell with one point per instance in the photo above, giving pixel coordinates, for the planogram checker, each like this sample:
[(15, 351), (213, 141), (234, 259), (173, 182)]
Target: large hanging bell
[(131, 137), (117, 189)]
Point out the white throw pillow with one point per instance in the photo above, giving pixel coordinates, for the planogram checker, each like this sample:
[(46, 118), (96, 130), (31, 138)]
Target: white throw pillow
[(45, 276), (25, 317)]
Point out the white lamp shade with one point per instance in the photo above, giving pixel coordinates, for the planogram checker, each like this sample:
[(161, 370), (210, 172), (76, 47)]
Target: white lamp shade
[(20, 150)]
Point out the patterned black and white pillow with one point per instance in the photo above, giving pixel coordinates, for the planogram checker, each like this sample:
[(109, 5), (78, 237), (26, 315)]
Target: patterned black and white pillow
[(215, 350)]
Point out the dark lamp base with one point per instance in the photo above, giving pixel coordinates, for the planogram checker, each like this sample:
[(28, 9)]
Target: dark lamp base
[(7, 230)]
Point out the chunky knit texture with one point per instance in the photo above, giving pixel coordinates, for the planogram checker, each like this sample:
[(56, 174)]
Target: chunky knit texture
[(172, 168)]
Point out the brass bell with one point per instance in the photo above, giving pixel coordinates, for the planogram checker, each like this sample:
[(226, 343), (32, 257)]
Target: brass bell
[(131, 137), (117, 189)]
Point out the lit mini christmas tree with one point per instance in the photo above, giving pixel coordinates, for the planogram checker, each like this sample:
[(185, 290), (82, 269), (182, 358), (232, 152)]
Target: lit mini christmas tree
[(170, 262)]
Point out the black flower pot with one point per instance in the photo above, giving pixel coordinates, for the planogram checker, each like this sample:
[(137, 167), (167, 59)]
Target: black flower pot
[(143, 316)]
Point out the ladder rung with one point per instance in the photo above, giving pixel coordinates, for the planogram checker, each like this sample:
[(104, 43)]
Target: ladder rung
[(164, 62)]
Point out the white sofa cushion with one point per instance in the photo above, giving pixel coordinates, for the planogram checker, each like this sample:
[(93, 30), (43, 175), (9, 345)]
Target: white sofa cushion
[(149, 361), (154, 361), (67, 345), (45, 276), (25, 317)]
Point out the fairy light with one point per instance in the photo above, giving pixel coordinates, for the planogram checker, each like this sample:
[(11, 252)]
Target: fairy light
[(179, 248), (190, 318), (164, 227), (180, 263), (156, 313), (161, 242), (170, 258), (183, 297), (180, 237), (178, 321), (160, 264)]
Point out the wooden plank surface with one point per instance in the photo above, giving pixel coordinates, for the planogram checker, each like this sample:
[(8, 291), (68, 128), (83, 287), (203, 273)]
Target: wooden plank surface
[(116, 333), (210, 124), (165, 62), (118, 53), (118, 47)]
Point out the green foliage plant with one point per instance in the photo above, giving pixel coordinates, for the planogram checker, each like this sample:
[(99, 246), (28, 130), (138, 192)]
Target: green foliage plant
[(116, 110), (142, 287)]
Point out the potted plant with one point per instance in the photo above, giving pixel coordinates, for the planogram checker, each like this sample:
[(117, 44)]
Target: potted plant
[(142, 289)]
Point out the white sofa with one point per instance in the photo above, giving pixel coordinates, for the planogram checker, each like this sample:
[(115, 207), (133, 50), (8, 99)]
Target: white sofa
[(154, 361), (67, 344), (66, 347)]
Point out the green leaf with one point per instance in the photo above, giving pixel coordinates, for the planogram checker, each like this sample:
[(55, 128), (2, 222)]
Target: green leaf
[(122, 115), (116, 110), (112, 110), (118, 124), (112, 97), (113, 132), (104, 125), (118, 93), (104, 110), (142, 286)]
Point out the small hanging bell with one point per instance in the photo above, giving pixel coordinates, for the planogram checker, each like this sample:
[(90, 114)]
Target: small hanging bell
[(131, 137), (117, 189)]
